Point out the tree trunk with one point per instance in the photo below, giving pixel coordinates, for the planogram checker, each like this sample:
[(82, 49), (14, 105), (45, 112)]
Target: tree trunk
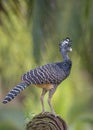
[(46, 121)]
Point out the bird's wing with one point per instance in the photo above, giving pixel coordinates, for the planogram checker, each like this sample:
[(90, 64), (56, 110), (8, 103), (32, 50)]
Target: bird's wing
[(47, 74)]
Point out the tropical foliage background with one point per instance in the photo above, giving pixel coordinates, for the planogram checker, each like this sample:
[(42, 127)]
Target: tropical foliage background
[(30, 31)]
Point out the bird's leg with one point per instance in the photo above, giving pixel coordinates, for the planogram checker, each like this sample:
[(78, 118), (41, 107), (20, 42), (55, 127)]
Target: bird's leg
[(51, 92), (42, 99)]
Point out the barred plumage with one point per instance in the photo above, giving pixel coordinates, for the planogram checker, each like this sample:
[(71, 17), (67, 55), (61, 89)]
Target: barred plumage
[(15, 91), (50, 73), (48, 76)]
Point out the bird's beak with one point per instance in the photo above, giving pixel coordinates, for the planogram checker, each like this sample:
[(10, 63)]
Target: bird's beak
[(70, 49)]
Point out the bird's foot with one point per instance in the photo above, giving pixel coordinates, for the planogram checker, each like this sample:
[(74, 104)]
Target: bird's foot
[(43, 111), (53, 113)]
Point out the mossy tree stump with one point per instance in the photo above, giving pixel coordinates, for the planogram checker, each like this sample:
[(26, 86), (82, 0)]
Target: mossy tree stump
[(46, 121)]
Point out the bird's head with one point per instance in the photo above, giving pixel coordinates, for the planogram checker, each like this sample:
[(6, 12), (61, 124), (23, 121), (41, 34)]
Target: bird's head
[(65, 45)]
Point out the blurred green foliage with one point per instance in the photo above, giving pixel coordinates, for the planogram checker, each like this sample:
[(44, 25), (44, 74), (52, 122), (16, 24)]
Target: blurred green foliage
[(30, 31)]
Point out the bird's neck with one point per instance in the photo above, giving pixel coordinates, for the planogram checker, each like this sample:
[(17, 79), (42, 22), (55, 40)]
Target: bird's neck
[(65, 55)]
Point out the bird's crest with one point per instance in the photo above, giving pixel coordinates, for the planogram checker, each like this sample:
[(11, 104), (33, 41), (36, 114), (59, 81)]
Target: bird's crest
[(67, 40)]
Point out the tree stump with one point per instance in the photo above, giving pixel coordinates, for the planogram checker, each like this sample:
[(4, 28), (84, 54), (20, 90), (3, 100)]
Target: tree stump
[(46, 121)]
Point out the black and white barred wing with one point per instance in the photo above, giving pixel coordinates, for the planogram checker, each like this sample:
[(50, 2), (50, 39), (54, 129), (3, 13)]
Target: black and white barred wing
[(46, 74)]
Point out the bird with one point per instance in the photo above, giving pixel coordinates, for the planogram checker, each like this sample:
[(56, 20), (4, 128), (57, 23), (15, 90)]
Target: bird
[(48, 76)]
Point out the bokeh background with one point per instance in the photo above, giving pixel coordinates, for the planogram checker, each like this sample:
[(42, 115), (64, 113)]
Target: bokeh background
[(30, 31)]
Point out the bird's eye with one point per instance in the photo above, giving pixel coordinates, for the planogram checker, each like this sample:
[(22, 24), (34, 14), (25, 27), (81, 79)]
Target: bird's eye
[(66, 44)]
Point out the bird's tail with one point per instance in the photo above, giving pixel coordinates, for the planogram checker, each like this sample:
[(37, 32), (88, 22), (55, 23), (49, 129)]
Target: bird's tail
[(15, 91)]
